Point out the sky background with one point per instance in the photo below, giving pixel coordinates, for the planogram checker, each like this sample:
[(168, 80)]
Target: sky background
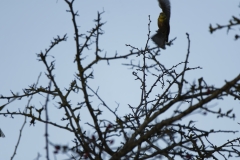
[(28, 26)]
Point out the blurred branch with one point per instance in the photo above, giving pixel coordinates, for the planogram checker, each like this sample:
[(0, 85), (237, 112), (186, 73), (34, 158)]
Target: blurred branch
[(147, 131), (25, 121), (234, 21)]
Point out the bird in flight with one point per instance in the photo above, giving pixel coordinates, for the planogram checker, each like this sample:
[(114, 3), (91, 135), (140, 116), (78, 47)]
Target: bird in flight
[(161, 37)]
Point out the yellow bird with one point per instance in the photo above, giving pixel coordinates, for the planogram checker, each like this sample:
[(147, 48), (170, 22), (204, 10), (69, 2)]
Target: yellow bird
[(161, 37)]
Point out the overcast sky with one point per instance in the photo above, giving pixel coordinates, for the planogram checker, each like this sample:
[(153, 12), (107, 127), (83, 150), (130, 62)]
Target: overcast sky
[(28, 26)]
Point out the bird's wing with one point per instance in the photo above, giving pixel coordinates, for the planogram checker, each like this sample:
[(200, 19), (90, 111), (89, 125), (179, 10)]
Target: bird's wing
[(166, 7)]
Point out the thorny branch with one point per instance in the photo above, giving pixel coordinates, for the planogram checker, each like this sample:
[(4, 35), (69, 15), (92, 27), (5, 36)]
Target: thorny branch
[(147, 131)]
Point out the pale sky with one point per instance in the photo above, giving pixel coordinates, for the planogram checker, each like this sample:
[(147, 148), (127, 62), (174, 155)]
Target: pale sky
[(28, 26)]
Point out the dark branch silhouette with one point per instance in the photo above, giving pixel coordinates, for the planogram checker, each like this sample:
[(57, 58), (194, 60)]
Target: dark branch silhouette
[(148, 131)]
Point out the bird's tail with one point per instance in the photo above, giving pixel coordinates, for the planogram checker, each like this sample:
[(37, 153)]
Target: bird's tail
[(159, 40), (1, 134)]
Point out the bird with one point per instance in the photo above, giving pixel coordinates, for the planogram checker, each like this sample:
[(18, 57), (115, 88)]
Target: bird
[(1, 134), (161, 37)]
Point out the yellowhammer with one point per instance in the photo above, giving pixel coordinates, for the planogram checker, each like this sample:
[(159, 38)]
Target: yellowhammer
[(161, 37)]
